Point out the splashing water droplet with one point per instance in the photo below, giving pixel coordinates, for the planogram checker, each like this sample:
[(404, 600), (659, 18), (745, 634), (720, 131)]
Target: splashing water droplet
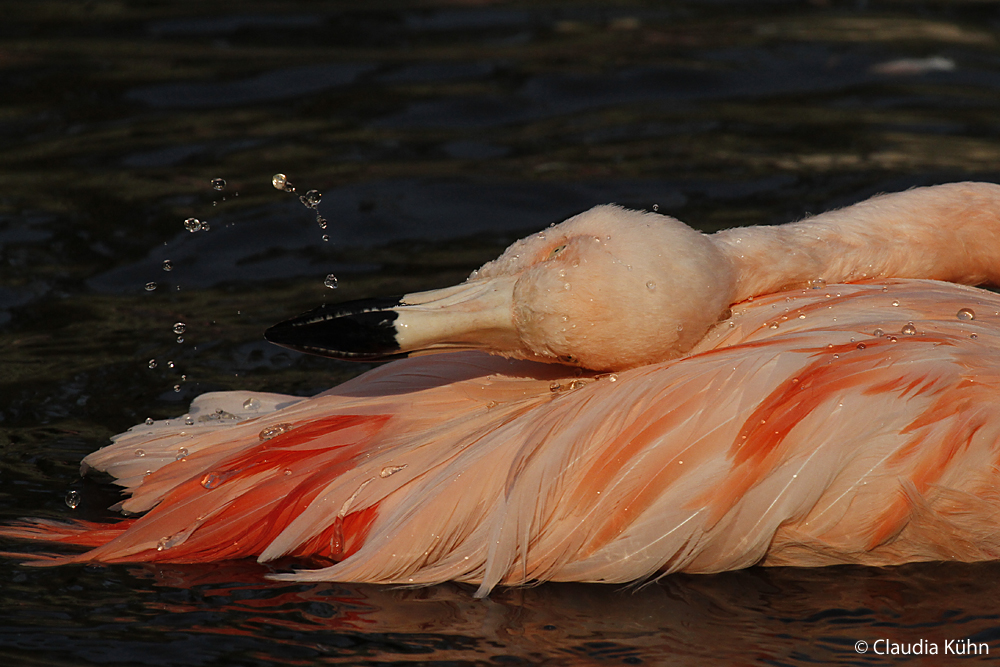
[(167, 266), (177, 388), (152, 363), (151, 287), (281, 182), (326, 237), (311, 198), (251, 404), (817, 283), (274, 431), (180, 339), (192, 225), (330, 281), (909, 329), (321, 221), (218, 183), (72, 499), (966, 314), (170, 364), (180, 328)]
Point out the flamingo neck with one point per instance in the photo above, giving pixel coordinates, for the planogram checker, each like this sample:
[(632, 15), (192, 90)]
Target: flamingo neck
[(946, 232)]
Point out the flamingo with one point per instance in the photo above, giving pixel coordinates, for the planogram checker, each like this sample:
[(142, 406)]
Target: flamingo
[(617, 398)]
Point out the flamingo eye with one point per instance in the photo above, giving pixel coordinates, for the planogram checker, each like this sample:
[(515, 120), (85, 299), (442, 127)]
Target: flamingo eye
[(555, 251)]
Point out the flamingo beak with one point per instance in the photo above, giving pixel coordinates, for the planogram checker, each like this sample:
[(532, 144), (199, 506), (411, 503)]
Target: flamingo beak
[(472, 315)]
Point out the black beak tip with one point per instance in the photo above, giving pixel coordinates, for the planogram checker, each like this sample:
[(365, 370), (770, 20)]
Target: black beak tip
[(358, 330)]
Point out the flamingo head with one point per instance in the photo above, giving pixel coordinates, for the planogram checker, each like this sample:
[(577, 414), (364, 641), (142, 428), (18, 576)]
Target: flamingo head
[(608, 289)]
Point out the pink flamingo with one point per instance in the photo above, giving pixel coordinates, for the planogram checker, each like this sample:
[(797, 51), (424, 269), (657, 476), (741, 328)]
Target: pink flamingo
[(806, 394)]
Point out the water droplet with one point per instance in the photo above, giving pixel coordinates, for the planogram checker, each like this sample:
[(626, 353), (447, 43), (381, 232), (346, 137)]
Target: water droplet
[(288, 471), (861, 346), (565, 285), (330, 281), (656, 208), (149, 421), (909, 329), (274, 431), (650, 285), (152, 363), (181, 453), (188, 420), (774, 325), (878, 333), (151, 286), (180, 328), (218, 183), (161, 544), (192, 225), (311, 198), (321, 221), (170, 364), (390, 470), (139, 453), (167, 266), (211, 480), (973, 336), (325, 237), (251, 404), (817, 283), (281, 182), (891, 339), (966, 314), (613, 378), (177, 388), (180, 339), (72, 499), (895, 302), (802, 316)]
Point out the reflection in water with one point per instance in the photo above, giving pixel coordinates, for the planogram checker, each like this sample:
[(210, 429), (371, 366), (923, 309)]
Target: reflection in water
[(761, 615)]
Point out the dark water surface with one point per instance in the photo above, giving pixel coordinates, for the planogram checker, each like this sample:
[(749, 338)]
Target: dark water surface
[(437, 133)]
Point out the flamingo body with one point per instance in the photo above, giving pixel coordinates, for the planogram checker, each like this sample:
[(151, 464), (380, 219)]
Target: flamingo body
[(792, 435), (845, 423)]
